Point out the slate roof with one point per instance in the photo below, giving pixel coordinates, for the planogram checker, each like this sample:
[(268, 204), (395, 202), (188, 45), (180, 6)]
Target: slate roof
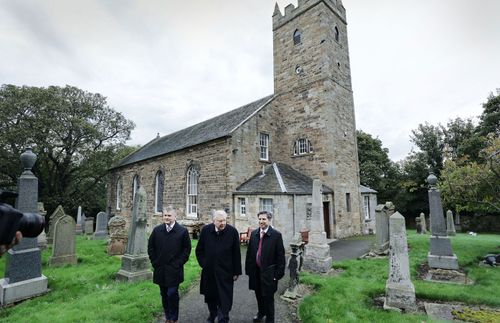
[(279, 178), (366, 190), (217, 127)]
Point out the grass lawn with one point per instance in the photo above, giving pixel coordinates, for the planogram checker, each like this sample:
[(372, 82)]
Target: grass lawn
[(88, 292), (348, 297)]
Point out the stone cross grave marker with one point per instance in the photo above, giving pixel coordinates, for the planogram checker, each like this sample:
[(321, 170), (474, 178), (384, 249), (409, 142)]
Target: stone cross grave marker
[(399, 290), (64, 247)]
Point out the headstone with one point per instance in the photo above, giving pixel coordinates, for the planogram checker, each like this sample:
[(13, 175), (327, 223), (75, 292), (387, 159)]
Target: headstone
[(382, 214), (64, 247), (423, 223), (135, 261), (89, 226), (317, 251), (42, 238), (79, 223), (458, 225), (118, 236), (450, 224), (56, 215), (23, 270), (101, 228), (399, 290), (418, 224), (84, 218), (441, 254)]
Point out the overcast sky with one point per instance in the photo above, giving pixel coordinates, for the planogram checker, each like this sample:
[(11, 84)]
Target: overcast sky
[(169, 64)]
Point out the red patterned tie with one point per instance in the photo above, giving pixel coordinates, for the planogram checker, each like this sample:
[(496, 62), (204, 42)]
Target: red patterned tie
[(260, 247)]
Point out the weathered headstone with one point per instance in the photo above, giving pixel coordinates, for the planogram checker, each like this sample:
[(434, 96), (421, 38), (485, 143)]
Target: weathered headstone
[(418, 224), (458, 224), (135, 261), (64, 247), (84, 218), (424, 223), (118, 236), (42, 238), (441, 254), (101, 228), (23, 270), (382, 214), (79, 223), (317, 251), (450, 224), (399, 290), (56, 215), (89, 225)]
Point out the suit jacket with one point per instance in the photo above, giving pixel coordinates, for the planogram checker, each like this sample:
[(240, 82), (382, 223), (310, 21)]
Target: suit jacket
[(272, 260), (220, 259), (168, 252)]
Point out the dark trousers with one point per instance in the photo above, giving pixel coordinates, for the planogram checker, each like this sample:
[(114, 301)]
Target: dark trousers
[(170, 302), (265, 301)]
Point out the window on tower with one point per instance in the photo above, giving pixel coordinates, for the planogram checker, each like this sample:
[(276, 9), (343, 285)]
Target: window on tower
[(297, 37)]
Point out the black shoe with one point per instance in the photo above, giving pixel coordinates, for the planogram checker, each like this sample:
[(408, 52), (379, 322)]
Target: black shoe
[(210, 320), (258, 318)]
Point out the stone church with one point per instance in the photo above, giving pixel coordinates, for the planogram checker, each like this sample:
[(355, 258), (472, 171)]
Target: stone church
[(264, 155)]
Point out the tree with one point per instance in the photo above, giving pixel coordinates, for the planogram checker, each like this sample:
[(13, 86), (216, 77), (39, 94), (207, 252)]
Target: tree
[(429, 139), (461, 140), (75, 135), (490, 118)]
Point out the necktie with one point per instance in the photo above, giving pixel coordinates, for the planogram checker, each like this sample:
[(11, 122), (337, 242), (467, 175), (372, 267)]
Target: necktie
[(260, 247), (169, 228)]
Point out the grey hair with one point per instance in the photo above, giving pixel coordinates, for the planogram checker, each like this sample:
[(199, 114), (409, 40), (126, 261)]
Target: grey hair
[(169, 209), (268, 214), (218, 213)]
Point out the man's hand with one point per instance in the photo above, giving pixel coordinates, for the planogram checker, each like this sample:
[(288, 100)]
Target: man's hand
[(16, 240), (235, 277)]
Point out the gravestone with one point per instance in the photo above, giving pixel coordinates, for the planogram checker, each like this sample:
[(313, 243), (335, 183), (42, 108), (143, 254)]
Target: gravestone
[(118, 236), (84, 218), (64, 246), (382, 214), (399, 290), (23, 270), (450, 224), (135, 261), (441, 255), (79, 223), (418, 224), (56, 215), (42, 238), (317, 251), (458, 225), (89, 226), (101, 228), (424, 223)]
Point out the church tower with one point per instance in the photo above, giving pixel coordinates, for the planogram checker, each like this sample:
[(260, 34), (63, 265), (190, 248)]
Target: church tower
[(312, 84)]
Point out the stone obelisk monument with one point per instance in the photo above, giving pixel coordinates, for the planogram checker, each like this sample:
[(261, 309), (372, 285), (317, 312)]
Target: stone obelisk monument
[(23, 273), (441, 254), (317, 252)]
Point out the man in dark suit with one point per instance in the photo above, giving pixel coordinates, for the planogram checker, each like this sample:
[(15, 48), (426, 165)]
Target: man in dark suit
[(265, 265), (169, 247), (218, 253)]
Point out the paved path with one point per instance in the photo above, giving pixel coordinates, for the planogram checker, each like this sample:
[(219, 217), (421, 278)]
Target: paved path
[(194, 310)]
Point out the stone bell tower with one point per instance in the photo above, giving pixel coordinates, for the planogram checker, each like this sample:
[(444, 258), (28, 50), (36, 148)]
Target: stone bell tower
[(312, 82)]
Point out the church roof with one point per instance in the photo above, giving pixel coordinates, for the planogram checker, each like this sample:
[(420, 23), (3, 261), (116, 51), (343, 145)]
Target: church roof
[(217, 127), (279, 178), (366, 190)]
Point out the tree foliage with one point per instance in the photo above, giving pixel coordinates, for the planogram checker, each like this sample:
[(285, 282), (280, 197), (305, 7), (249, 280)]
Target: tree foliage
[(75, 134)]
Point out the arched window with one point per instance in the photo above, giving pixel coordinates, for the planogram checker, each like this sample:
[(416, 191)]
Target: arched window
[(159, 180), (297, 37), (119, 188), (135, 187), (337, 34), (302, 146), (192, 192)]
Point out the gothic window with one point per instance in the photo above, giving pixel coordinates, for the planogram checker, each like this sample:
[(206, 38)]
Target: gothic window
[(242, 204), (266, 205), (264, 146), (337, 34), (302, 146), (366, 206), (192, 192), (135, 187), (119, 188), (348, 202), (297, 35), (159, 180)]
